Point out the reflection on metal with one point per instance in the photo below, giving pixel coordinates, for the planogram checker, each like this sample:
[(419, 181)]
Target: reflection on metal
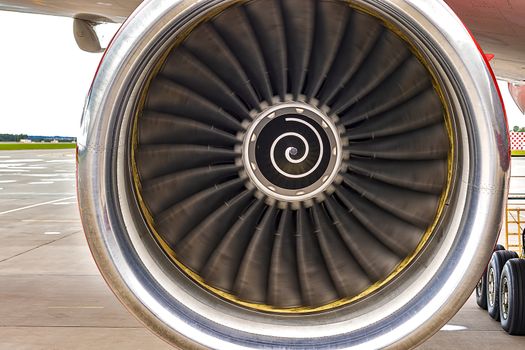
[(517, 91)]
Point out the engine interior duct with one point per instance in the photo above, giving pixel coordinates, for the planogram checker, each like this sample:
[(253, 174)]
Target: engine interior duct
[(293, 174)]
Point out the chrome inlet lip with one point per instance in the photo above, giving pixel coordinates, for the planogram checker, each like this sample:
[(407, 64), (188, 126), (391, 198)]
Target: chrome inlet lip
[(418, 303)]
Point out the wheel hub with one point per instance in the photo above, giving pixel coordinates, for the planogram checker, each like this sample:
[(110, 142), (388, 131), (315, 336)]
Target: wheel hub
[(292, 152), (491, 287), (505, 298), (479, 287)]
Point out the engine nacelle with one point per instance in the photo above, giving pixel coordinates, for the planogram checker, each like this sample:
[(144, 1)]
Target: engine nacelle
[(293, 174)]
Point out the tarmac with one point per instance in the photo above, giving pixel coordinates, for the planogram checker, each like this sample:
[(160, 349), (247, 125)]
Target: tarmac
[(53, 297)]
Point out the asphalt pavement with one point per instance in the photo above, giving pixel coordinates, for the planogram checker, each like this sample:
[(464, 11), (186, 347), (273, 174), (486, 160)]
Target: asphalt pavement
[(53, 297)]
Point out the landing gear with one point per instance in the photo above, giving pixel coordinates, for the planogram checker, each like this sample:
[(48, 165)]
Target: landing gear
[(501, 289), (499, 258), (481, 287), (512, 297), (481, 292)]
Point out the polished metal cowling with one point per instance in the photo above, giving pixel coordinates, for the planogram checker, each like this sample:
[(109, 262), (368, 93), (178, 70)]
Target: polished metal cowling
[(293, 174)]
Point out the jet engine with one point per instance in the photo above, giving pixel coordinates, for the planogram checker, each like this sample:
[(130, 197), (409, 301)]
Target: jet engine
[(293, 174)]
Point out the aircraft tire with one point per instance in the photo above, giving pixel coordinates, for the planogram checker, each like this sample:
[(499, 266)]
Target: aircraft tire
[(512, 297), (481, 287), (498, 260), (481, 292)]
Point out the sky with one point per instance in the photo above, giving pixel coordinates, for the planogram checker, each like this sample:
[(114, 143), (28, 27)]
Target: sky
[(44, 76)]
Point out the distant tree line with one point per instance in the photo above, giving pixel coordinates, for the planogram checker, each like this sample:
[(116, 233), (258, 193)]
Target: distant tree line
[(518, 129), (12, 137), (51, 138), (18, 137)]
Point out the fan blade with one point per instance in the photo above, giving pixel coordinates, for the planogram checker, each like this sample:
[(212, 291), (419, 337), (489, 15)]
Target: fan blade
[(158, 128), (185, 69), (424, 176), (417, 208), (267, 21), (163, 192), (283, 284), (243, 42), (423, 144), (159, 160), (180, 219), (299, 21), (252, 279), (388, 54), (374, 258), (316, 285), (407, 82), (223, 265), (331, 21), (420, 112), (206, 44), (348, 277), (195, 248), (360, 37), (400, 236), (170, 98)]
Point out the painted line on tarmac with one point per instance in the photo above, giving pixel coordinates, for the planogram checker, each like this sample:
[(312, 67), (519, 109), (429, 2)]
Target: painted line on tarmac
[(20, 161), (38, 194), (61, 161), (36, 205), (451, 327), (12, 171), (59, 221), (38, 246), (75, 307)]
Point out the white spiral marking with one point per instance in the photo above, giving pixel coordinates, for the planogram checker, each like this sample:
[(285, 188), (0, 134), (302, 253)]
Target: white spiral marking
[(289, 149)]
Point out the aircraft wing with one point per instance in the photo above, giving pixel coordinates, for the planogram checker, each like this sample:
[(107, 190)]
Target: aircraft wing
[(498, 25), (112, 10)]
